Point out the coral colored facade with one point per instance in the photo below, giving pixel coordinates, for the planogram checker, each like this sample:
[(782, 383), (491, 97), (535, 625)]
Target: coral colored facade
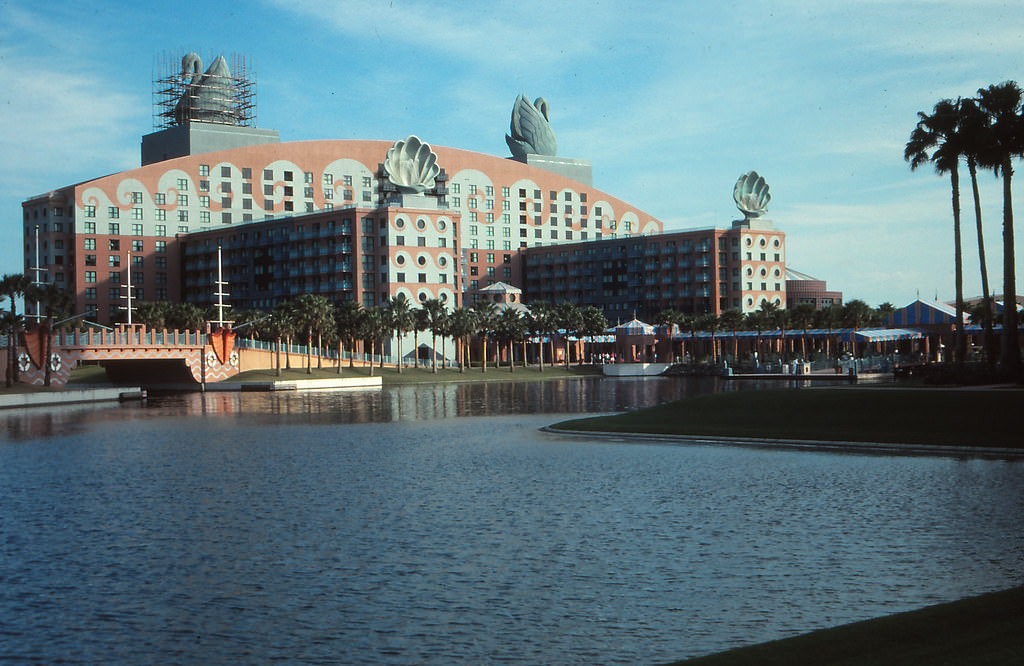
[(336, 226)]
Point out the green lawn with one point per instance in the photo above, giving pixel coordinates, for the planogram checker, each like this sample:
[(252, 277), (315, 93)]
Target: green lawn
[(987, 629), (954, 417), (392, 377)]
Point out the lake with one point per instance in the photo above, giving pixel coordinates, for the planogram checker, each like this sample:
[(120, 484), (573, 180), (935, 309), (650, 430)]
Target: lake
[(438, 524)]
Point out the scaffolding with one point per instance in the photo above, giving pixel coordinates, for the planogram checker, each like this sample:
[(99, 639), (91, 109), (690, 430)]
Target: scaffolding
[(183, 92)]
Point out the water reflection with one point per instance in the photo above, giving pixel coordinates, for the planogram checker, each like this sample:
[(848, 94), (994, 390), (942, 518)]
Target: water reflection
[(422, 402)]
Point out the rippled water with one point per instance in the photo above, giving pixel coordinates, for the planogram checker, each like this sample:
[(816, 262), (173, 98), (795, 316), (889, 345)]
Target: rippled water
[(404, 526)]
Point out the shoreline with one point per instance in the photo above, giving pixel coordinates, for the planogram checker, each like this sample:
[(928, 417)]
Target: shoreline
[(875, 448)]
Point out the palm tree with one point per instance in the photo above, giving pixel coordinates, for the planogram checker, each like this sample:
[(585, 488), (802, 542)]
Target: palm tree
[(757, 320), (802, 316), (375, 325), (1004, 141), (511, 328), (732, 320), (973, 127), (569, 320), (709, 322), (403, 319), (939, 133), (541, 318), (829, 317), (592, 323), (313, 314), (346, 322), (461, 325), (284, 327), (855, 314), (13, 287), (484, 314), (435, 314), (55, 301)]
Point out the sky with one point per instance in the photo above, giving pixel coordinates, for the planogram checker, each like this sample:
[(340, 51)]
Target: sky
[(670, 101)]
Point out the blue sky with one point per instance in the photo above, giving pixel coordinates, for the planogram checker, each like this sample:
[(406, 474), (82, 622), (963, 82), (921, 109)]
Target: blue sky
[(670, 101)]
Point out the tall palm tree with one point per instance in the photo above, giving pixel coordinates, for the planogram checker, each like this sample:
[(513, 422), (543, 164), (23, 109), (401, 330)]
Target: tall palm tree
[(435, 313), (1005, 141), (973, 129), (939, 133), (757, 320), (484, 314), (284, 327), (13, 287), (403, 319), (829, 317)]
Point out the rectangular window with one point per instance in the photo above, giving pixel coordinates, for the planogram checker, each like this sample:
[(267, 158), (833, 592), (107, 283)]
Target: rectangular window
[(204, 186), (204, 201), (160, 246), (90, 211), (136, 213), (136, 246), (161, 262), (421, 278), (161, 215), (160, 199), (90, 276), (89, 244), (90, 260), (346, 181), (204, 169), (113, 260), (183, 184), (113, 212), (328, 179), (183, 216), (225, 202), (204, 217)]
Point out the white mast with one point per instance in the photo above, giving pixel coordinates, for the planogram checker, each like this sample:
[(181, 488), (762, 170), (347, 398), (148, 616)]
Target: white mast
[(220, 293), (128, 284)]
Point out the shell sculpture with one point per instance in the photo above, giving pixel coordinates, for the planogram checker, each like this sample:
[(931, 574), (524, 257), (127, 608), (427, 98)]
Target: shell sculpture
[(411, 165), (530, 132), (751, 195)]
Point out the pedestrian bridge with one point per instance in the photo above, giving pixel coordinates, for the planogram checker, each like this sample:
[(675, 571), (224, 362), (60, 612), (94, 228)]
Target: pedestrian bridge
[(206, 357)]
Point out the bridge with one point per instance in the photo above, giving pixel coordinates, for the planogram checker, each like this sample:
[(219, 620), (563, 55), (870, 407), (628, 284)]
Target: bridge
[(206, 357)]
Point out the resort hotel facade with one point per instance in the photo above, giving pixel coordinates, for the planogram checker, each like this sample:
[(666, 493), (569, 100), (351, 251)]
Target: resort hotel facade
[(221, 205)]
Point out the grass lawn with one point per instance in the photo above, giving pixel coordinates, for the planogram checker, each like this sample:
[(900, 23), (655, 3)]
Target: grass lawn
[(391, 377), (954, 417), (988, 629)]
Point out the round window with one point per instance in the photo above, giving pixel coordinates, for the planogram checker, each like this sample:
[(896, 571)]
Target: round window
[(400, 260), (763, 242), (421, 224), (399, 223), (423, 297), (764, 272), (750, 271), (749, 241), (777, 273), (442, 261), (444, 298), (441, 225), (777, 242), (421, 260)]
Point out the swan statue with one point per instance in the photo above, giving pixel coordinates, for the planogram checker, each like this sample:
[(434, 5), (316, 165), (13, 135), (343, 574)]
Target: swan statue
[(208, 97), (530, 131)]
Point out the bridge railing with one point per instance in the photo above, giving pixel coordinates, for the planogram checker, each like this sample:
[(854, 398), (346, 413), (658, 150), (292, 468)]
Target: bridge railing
[(128, 338)]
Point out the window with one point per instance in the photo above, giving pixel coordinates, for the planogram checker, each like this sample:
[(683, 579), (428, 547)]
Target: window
[(161, 215), (204, 201), (114, 293), (182, 228), (183, 184), (160, 199), (456, 188), (182, 216), (114, 228), (114, 260), (347, 181), (204, 169), (204, 186), (136, 246), (328, 179), (161, 262), (421, 278), (138, 277), (90, 227), (90, 260), (90, 276), (204, 217), (113, 212), (367, 181), (90, 211)]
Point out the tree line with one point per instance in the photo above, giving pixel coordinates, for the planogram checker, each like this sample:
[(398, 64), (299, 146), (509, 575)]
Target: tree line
[(318, 322), (986, 132)]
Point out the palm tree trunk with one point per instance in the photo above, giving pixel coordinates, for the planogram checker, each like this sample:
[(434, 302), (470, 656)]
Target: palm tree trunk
[(341, 352), (484, 359), (433, 352), (959, 342), (277, 358), (371, 357), (1011, 344), (309, 352), (46, 355), (990, 354)]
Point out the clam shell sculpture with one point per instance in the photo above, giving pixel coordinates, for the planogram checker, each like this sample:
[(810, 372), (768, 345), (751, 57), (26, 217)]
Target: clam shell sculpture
[(751, 195), (411, 165)]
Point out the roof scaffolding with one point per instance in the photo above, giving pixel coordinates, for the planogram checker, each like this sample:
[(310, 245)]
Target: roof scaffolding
[(225, 93)]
